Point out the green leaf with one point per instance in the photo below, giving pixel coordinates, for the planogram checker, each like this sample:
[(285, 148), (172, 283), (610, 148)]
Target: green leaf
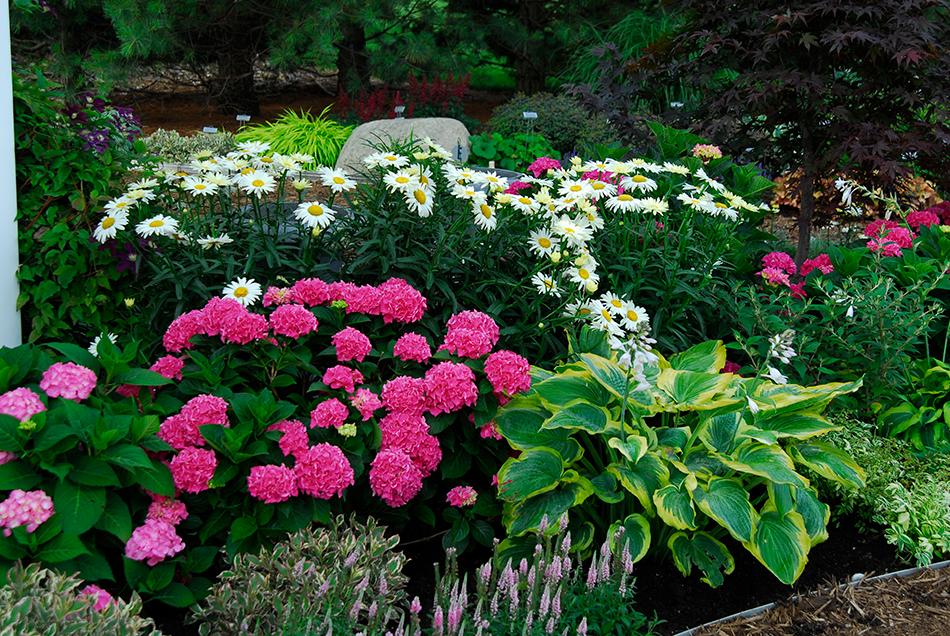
[(243, 527), (79, 507), (726, 501), (90, 471), (569, 386), (532, 473), (705, 552), (633, 448), (20, 475), (156, 479), (689, 390), (635, 539), (766, 461), (200, 558), (141, 377), (609, 374), (116, 519), (580, 416), (605, 487), (64, 547), (643, 478), (92, 567), (527, 515), (675, 508), (176, 595), (718, 433), (706, 357), (829, 462), (77, 354), (10, 434), (797, 425), (520, 423), (781, 543), (815, 514), (127, 456)]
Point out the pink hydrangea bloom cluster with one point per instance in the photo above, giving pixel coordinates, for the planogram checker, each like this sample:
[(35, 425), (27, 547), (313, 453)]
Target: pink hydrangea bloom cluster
[(410, 434), (68, 380), (167, 509), (888, 237), (342, 377), (331, 413), (183, 429), (394, 478), (323, 471), (272, 483), (294, 439), (449, 386), (412, 347), (21, 403), (508, 372), (6, 457), (778, 268), (516, 186), (153, 542), (292, 321), (490, 431), (922, 218), (394, 300), (103, 598), (404, 394), (351, 344), (461, 496), (169, 367), (470, 334), (25, 508), (277, 296), (192, 469), (822, 263), (542, 164), (707, 152), (366, 402)]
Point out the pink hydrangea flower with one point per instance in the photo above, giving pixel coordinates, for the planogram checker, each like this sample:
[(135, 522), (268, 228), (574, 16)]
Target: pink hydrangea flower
[(292, 321), (410, 434), (169, 367), (246, 329), (21, 403), (822, 263), (404, 394), (294, 440), (277, 296), (508, 373), (886, 247), (351, 344), (310, 292), (366, 402), (221, 314), (103, 598), (323, 471), (412, 347), (462, 496), (206, 409), (193, 468), (167, 509), (922, 218), (68, 380), (730, 367), (542, 164), (362, 299), (272, 483), (342, 377), (400, 302), (6, 457), (450, 386), (182, 329), (779, 260), (339, 289), (775, 276), (707, 152), (902, 236), (25, 508), (879, 228), (394, 478), (330, 413), (180, 432), (517, 186), (490, 431), (153, 542), (797, 290), (470, 334)]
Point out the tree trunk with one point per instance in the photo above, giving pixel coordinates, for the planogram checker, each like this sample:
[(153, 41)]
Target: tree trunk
[(806, 206), (352, 59), (233, 89)]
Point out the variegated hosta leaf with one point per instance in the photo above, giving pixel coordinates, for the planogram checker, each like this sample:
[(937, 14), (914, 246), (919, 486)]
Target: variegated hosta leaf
[(781, 543), (829, 462), (704, 551), (694, 391), (520, 422), (706, 357), (726, 501), (633, 447), (580, 416), (791, 398), (674, 437), (675, 507), (643, 478), (608, 373), (534, 472), (565, 388), (527, 515), (719, 432), (770, 462), (800, 425), (785, 498), (635, 538), (606, 488)]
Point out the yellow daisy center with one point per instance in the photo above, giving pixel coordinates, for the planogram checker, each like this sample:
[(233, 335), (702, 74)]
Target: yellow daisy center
[(544, 242), (583, 273), (721, 205), (267, 159), (315, 210), (576, 188), (420, 197), (616, 303), (486, 211), (339, 180), (525, 200), (257, 183), (423, 179), (625, 197), (240, 292), (597, 185), (108, 222), (247, 170), (549, 283), (157, 223), (200, 186), (606, 315), (632, 315), (402, 179), (639, 178)]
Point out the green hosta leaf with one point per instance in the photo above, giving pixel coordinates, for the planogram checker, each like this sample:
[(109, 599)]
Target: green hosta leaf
[(675, 507), (605, 487), (815, 514), (789, 398), (781, 543), (829, 462), (689, 390), (770, 462), (798, 425), (79, 507), (898, 419), (643, 478), (673, 437), (718, 432), (633, 448), (705, 552), (609, 374), (520, 422), (534, 472), (706, 357), (62, 548), (566, 387), (580, 416), (726, 501), (527, 515), (635, 539)]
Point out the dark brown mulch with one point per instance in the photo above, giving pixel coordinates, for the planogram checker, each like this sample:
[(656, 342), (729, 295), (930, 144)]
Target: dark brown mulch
[(917, 605)]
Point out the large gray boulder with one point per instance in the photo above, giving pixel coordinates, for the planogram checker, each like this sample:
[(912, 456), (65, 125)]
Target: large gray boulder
[(448, 133)]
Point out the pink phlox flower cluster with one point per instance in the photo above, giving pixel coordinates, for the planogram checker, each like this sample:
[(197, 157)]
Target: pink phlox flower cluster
[(153, 542), (342, 377), (103, 598), (542, 164), (277, 296), (822, 263), (461, 496), (292, 321), (922, 218), (272, 483), (449, 386), (294, 439), (400, 302), (192, 469), (169, 367), (779, 260), (21, 403), (410, 434), (351, 344), (508, 373), (412, 347), (68, 380), (404, 394), (310, 292), (25, 508), (330, 413), (470, 334), (394, 477), (366, 402), (167, 509), (516, 186), (323, 471)]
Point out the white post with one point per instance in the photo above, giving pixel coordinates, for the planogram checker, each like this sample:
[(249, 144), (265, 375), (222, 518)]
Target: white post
[(10, 335)]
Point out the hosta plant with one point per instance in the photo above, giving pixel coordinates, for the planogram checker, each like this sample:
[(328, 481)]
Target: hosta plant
[(680, 455), (921, 416)]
